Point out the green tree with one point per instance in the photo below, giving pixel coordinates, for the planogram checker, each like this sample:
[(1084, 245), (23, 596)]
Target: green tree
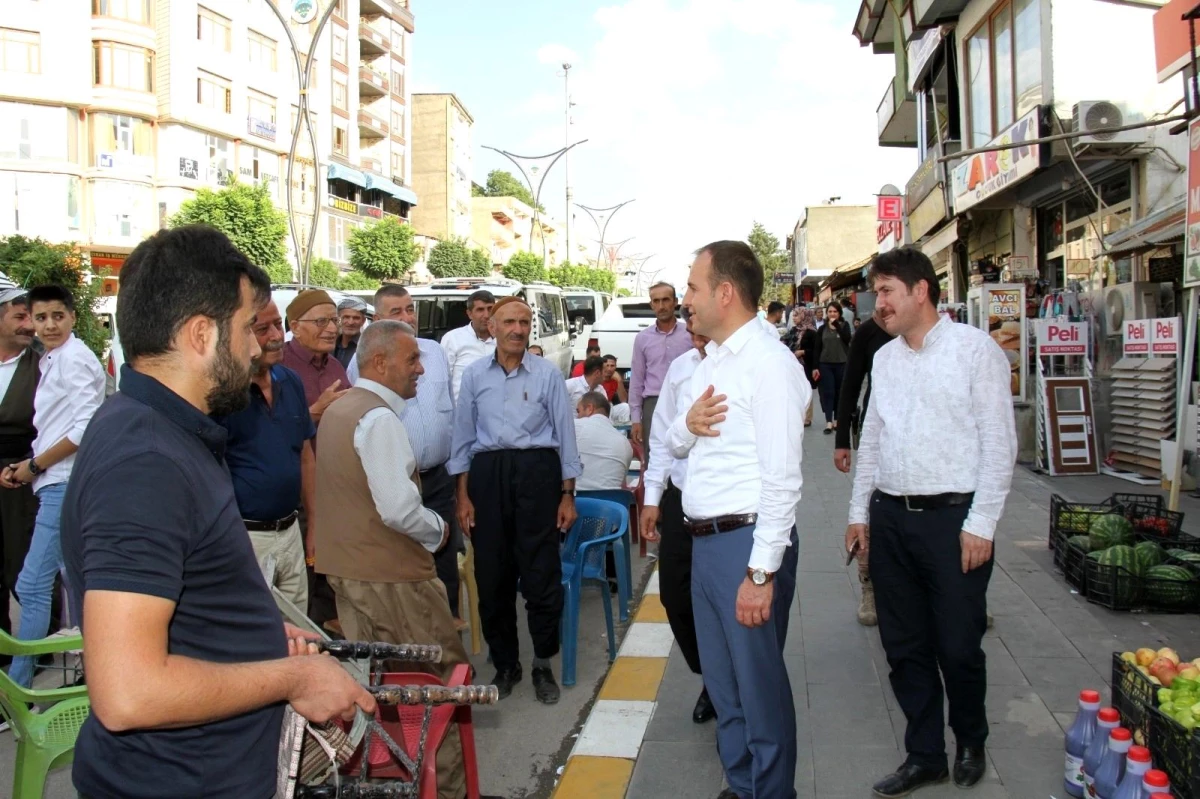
[(567, 274), (383, 250), (773, 259), (323, 273), (249, 218), (34, 262), (503, 184), (525, 267), (601, 280), (450, 258), (481, 262), (357, 281), (624, 293)]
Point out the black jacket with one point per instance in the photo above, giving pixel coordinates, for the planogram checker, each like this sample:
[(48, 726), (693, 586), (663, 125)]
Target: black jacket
[(859, 360), (844, 333)]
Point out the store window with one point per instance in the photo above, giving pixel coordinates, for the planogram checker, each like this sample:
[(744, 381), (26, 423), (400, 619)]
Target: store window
[(124, 212), (1004, 68), (214, 92), (340, 93), (339, 234), (140, 11), (214, 30), (42, 205), (341, 139), (20, 51), (1071, 232), (123, 67), (262, 51), (938, 117), (123, 142), (220, 162)]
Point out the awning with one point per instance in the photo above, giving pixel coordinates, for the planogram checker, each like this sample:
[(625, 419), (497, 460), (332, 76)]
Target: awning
[(379, 183), (942, 239), (340, 172), (1151, 231)]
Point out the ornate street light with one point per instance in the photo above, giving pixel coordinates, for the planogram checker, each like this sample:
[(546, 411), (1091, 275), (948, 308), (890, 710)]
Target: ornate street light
[(535, 166), (601, 217)]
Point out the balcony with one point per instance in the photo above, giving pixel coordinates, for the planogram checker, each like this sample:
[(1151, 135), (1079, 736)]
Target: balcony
[(371, 42), (371, 83), (405, 17), (931, 12), (897, 114), (371, 126)]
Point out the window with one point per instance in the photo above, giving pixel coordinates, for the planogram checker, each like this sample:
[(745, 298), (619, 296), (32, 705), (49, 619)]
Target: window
[(35, 132), (130, 10), (339, 232), (340, 93), (397, 78), (219, 170), (261, 107), (341, 141), (398, 170), (399, 36), (340, 9), (213, 92), (398, 120), (549, 313), (35, 204), (339, 46), (261, 51), (123, 211), (20, 51), (937, 104), (1004, 68), (214, 30), (123, 142), (123, 67)]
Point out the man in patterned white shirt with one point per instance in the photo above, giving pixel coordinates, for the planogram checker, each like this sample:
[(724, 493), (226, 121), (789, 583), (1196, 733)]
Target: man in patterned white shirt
[(932, 512)]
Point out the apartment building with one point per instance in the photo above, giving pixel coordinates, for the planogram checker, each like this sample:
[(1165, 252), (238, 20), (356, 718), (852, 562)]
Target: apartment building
[(505, 226), (441, 162), (826, 239), (145, 101)]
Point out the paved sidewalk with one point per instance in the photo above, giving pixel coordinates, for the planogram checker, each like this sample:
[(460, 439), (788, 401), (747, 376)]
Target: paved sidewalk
[(1046, 645)]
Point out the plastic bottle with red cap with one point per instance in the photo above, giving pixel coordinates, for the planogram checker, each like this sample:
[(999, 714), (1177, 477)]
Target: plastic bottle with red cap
[(1107, 720), (1155, 783), (1137, 763), (1078, 736), (1112, 767), (1159, 795)]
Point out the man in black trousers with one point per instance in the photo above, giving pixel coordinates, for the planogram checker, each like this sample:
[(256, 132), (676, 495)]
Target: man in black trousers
[(932, 512)]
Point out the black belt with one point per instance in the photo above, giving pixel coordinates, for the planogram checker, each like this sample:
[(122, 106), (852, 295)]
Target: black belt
[(272, 527), (929, 501), (698, 528), (431, 470)]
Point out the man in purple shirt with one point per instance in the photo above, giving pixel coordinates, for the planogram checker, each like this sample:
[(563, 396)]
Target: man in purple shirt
[(653, 350), (313, 320)]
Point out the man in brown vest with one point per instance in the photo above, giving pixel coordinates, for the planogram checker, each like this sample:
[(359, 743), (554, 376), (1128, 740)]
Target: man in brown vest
[(375, 541), (18, 383)]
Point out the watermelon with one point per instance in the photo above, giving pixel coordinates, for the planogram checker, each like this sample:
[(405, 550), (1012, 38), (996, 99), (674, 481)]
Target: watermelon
[(1120, 583), (1148, 555), (1183, 554), (1080, 542), (1109, 530), (1172, 586)]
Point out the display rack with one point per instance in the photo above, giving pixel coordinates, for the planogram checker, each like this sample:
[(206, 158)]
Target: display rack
[(1143, 414)]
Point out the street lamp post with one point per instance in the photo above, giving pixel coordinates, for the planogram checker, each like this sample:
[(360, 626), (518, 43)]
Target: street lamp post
[(601, 217), (567, 105), (535, 168), (303, 14)]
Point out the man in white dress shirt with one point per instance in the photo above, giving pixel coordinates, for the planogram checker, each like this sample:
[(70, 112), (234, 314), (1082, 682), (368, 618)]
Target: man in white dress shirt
[(932, 510), (591, 380), (606, 453), (467, 344), (428, 418), (663, 506), (742, 438)]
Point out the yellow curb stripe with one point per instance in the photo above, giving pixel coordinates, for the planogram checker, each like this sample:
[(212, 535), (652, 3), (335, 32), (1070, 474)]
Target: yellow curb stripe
[(588, 777), (651, 610), (636, 679)]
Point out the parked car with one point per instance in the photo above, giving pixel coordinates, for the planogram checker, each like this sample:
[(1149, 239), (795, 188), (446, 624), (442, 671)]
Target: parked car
[(106, 312), (618, 327), (442, 306)]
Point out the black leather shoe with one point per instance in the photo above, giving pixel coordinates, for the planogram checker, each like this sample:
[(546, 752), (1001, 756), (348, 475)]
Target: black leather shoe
[(704, 710), (544, 686), (907, 779), (505, 679), (969, 765)]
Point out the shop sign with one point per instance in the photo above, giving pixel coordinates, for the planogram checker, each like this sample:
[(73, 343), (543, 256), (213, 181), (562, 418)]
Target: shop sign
[(189, 168), (889, 208), (1006, 325), (986, 174), (343, 205), (1172, 38), (885, 229), (1021, 268), (921, 51), (304, 11), (370, 210), (1135, 337), (1164, 336), (1061, 338), (262, 128), (784, 278), (923, 181), (928, 214), (1191, 259)]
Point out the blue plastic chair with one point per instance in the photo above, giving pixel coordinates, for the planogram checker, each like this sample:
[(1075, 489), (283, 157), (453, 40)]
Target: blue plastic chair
[(621, 548), (599, 524)]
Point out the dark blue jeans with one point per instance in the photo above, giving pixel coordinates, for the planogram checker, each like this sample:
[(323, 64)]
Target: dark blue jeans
[(832, 375)]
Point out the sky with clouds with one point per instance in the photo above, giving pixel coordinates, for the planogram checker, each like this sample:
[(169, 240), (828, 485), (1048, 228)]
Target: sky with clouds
[(710, 114)]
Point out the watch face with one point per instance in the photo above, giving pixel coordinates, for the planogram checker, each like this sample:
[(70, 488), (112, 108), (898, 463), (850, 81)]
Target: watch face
[(760, 577)]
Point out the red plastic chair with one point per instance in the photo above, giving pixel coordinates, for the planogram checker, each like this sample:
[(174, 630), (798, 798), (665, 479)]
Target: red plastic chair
[(403, 724)]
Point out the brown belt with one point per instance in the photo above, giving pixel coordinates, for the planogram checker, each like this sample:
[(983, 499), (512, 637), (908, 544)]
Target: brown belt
[(698, 528)]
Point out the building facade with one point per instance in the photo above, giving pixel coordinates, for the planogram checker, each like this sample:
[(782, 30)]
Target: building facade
[(826, 239), (505, 226), (142, 102), (441, 163)]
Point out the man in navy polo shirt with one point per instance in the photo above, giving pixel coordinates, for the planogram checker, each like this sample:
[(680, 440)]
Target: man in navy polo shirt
[(187, 655), (271, 459)]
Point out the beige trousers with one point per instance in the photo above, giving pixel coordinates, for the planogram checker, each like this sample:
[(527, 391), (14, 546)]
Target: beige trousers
[(409, 613), (286, 547)]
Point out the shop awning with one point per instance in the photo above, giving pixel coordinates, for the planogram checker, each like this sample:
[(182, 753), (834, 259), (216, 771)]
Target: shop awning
[(388, 187), (847, 274), (341, 172), (1151, 231), (942, 239)]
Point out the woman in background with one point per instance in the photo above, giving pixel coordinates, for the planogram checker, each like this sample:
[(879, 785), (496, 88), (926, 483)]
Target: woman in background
[(833, 345)]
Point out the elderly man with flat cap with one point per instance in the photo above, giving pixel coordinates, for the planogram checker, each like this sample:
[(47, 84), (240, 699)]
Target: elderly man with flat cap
[(514, 452), (352, 315)]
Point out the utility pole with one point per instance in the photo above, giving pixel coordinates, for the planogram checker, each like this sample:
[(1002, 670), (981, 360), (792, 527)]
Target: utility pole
[(566, 156)]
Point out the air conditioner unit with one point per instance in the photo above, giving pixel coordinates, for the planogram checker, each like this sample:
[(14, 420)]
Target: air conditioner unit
[(1126, 302), (1098, 115)]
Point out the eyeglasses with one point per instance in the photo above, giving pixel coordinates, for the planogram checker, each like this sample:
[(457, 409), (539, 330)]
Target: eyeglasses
[(323, 322)]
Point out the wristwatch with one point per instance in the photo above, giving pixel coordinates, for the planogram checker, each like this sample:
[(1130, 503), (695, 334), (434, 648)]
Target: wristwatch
[(760, 576), (34, 469), (568, 492)]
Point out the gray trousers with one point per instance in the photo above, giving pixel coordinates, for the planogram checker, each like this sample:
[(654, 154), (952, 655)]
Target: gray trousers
[(744, 669), (648, 406)]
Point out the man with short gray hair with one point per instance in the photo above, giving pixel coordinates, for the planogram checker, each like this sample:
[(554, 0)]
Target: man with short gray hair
[(472, 341), (352, 314)]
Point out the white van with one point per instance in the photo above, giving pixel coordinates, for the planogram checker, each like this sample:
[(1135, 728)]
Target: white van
[(442, 306)]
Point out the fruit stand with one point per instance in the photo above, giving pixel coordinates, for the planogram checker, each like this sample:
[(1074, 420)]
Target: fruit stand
[(1158, 696)]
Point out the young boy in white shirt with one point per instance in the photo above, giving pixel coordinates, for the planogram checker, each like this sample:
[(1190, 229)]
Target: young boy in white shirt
[(69, 392)]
